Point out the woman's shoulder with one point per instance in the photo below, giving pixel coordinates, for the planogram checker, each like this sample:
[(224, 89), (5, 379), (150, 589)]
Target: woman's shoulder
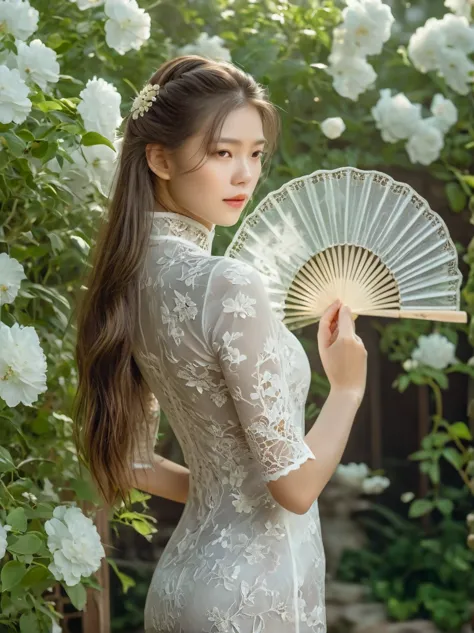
[(232, 270)]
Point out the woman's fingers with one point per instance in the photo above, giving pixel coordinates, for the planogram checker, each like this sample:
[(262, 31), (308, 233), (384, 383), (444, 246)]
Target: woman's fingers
[(334, 336), (346, 323), (326, 324)]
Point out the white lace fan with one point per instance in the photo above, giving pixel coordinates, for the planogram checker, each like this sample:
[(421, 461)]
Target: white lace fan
[(358, 236)]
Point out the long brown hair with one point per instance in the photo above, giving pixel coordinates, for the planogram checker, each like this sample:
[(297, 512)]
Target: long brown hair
[(112, 398)]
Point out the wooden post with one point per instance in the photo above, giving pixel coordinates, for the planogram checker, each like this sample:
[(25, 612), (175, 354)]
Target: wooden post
[(96, 617)]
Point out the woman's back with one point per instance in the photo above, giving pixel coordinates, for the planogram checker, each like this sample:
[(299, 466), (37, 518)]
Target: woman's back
[(233, 383)]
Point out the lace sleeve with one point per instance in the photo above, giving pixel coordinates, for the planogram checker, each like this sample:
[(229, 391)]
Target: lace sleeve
[(245, 337)]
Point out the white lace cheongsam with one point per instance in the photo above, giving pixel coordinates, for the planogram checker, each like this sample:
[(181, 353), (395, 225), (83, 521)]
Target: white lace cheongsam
[(232, 381)]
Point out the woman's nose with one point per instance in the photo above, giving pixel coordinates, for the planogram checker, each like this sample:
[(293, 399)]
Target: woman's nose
[(243, 173)]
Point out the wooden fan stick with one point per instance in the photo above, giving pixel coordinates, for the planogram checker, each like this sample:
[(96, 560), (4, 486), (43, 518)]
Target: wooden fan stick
[(360, 279), (447, 316)]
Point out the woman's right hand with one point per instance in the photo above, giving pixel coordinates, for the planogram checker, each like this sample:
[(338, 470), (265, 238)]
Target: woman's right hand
[(342, 352)]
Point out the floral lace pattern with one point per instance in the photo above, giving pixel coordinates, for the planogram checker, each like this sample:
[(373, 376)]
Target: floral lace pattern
[(233, 382)]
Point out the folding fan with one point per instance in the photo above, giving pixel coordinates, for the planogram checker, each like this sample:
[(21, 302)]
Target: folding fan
[(358, 236)]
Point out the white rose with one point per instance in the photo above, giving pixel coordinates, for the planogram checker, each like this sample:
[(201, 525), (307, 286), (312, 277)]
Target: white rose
[(101, 161), (75, 544), (18, 18), (457, 32), (11, 275), (352, 474), (100, 107), (22, 365), (128, 26), (426, 45), (375, 485), (435, 351), (14, 103), (396, 117), (367, 25), (425, 145), (351, 75), (210, 47), (333, 127), (76, 174), (460, 7), (38, 63), (3, 539), (457, 69), (444, 112)]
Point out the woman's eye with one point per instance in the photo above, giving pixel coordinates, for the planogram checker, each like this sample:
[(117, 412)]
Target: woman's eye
[(259, 153)]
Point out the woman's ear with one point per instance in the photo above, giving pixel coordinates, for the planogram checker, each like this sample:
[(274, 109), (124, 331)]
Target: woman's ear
[(158, 161)]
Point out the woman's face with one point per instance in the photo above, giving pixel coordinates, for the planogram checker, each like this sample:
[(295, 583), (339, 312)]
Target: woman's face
[(232, 168)]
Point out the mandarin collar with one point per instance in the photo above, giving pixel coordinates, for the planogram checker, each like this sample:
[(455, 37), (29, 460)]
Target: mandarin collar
[(177, 225)]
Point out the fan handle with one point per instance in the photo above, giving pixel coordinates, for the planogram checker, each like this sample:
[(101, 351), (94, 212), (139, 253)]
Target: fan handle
[(447, 316)]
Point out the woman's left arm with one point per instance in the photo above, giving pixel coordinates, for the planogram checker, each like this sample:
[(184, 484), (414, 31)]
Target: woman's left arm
[(164, 479)]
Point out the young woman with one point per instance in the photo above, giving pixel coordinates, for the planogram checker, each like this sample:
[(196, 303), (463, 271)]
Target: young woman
[(164, 318)]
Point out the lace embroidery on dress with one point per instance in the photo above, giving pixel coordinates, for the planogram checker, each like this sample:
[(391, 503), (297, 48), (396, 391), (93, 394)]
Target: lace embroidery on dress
[(232, 381), (167, 223)]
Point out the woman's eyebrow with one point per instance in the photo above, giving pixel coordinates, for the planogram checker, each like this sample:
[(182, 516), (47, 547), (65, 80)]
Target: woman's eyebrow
[(236, 141)]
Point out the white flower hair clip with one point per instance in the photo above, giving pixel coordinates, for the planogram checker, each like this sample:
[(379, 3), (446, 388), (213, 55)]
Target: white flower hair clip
[(144, 100)]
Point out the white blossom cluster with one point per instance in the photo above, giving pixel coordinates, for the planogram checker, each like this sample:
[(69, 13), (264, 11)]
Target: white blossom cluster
[(460, 7), (209, 47), (434, 351), (126, 28), (365, 28), (333, 127), (358, 476), (444, 46), (35, 63), (399, 119), (75, 544), (22, 361)]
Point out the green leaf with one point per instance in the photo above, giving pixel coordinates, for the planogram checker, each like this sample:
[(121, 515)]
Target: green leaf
[(12, 574), (35, 576), (6, 461), (419, 455), (84, 490), (126, 581), (456, 197), (403, 382), (17, 519), (445, 506), (15, 144), (420, 507), (143, 528), (440, 438), (29, 623), (433, 472), (94, 138), (460, 430), (468, 179), (48, 106), (27, 544), (453, 457), (77, 594)]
